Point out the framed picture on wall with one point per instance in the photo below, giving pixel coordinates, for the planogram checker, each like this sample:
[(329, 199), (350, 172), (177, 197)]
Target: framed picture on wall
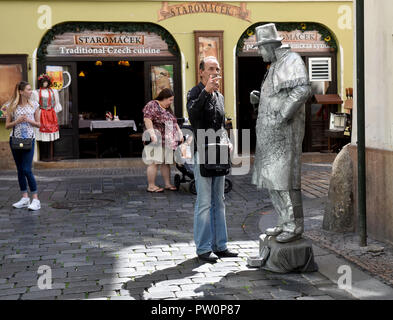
[(209, 43), (161, 78), (13, 69)]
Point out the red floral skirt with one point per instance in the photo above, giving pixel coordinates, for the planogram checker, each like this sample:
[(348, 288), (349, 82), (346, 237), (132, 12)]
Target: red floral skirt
[(48, 121)]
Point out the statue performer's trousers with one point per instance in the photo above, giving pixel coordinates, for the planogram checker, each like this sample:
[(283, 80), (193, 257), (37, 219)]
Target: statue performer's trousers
[(288, 205)]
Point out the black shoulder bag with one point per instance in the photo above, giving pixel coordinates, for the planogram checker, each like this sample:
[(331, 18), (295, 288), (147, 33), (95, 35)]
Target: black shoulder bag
[(216, 162), (20, 143)]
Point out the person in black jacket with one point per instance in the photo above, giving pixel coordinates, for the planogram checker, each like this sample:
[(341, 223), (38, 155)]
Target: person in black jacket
[(205, 106)]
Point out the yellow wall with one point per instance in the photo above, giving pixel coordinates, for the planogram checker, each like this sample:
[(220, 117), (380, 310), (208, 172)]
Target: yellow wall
[(19, 32), (4, 134)]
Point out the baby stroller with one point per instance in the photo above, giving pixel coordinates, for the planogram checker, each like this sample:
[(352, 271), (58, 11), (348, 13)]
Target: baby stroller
[(186, 166)]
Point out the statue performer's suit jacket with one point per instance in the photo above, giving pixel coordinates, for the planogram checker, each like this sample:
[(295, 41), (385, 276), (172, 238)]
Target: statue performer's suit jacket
[(281, 123)]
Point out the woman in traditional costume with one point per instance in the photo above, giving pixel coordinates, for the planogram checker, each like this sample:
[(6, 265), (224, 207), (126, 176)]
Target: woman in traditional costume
[(49, 102)]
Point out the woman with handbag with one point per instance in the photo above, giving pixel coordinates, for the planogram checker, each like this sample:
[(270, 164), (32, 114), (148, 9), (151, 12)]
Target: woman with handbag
[(22, 116), (165, 134)]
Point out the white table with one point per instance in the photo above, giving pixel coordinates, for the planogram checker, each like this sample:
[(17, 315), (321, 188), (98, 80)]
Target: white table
[(105, 124), (84, 123)]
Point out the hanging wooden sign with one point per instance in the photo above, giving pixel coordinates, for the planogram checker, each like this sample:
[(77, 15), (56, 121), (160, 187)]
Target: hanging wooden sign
[(307, 41), (108, 44), (180, 9)]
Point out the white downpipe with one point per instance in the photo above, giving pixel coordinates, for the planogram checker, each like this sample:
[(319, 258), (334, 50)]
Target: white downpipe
[(34, 68), (183, 77), (234, 101), (342, 72)]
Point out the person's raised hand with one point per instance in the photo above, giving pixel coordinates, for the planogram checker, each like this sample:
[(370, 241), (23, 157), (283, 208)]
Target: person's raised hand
[(254, 97), (213, 84)]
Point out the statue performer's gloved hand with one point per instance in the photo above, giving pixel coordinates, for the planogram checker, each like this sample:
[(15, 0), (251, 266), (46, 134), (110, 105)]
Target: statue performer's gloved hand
[(254, 97), (281, 120)]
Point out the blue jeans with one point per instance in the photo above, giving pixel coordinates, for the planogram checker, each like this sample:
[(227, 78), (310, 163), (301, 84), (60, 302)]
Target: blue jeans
[(210, 229), (24, 160)]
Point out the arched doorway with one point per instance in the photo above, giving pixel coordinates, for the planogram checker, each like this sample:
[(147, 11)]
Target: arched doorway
[(115, 67), (318, 48)]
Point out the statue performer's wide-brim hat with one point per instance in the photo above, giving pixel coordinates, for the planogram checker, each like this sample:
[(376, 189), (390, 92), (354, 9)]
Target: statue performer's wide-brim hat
[(267, 33)]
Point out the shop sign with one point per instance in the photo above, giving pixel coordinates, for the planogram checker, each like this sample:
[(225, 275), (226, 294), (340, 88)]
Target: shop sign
[(108, 44), (109, 39), (307, 41), (221, 8)]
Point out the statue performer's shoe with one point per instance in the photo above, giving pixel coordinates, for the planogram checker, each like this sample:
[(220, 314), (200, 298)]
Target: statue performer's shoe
[(288, 237), (273, 231)]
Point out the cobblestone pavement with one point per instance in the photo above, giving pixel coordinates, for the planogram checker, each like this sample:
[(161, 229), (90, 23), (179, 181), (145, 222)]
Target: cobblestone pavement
[(315, 184), (105, 237)]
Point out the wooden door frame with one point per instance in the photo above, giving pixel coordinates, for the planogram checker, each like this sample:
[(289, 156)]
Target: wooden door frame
[(147, 94), (177, 85)]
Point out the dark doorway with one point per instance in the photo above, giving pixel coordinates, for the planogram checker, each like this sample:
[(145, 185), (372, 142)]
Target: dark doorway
[(102, 85), (111, 84), (251, 71)]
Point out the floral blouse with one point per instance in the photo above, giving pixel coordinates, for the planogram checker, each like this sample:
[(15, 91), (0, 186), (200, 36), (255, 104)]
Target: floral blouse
[(163, 121)]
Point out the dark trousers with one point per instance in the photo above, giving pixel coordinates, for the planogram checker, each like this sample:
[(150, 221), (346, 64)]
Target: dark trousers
[(24, 160)]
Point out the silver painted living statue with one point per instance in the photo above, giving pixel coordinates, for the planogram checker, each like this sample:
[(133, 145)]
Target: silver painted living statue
[(280, 131)]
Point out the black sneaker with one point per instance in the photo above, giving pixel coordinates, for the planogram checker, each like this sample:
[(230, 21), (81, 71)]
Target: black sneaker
[(226, 254), (208, 257)]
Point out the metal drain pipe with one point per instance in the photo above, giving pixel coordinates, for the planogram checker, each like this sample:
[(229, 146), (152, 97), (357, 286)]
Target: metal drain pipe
[(360, 109)]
